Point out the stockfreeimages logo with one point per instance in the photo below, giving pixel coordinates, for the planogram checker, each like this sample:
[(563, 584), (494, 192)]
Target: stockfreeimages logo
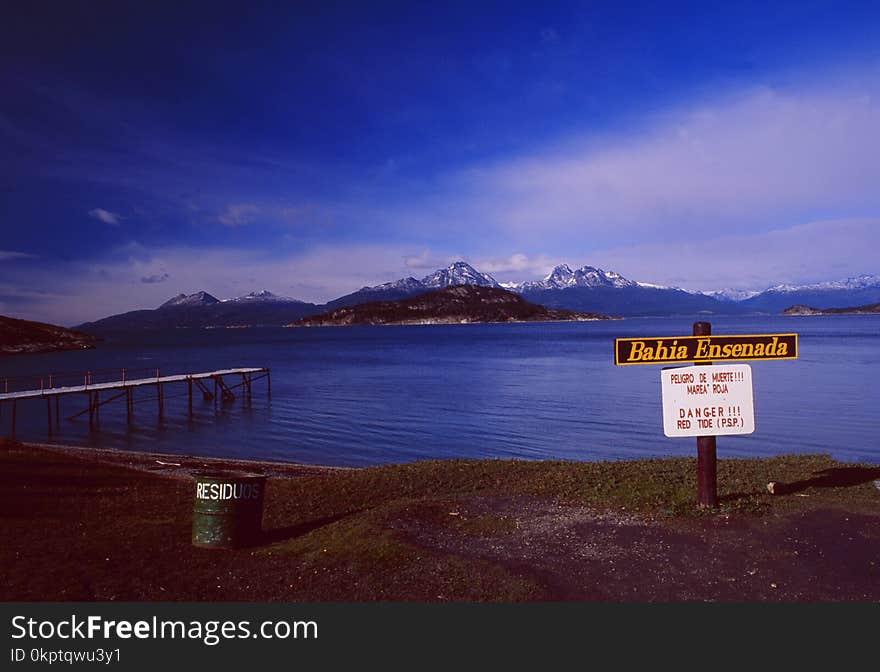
[(210, 633)]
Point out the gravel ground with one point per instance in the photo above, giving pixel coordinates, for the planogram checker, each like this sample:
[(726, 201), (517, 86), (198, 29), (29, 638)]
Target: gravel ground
[(102, 525)]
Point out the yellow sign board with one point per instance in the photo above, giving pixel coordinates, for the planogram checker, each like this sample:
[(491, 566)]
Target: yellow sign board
[(724, 348)]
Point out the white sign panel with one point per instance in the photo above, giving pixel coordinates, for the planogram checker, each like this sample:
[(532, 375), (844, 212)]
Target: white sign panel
[(708, 400)]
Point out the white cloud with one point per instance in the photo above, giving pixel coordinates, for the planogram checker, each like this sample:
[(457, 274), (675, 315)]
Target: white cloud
[(310, 215), (10, 255), (517, 266), (155, 278), (238, 214), (426, 261), (105, 216), (746, 189), (762, 158), (549, 36), (822, 250), (811, 252), (130, 277)]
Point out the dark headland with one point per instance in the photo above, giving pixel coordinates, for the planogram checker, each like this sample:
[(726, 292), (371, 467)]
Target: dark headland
[(799, 309), (19, 336), (88, 525), (459, 304)]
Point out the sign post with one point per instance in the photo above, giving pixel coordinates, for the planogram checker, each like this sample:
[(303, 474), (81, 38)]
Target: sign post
[(707, 469), (701, 403)]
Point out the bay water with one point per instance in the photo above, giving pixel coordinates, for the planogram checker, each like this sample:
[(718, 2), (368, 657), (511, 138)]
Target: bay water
[(376, 395)]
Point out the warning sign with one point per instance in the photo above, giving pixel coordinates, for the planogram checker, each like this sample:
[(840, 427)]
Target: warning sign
[(708, 400)]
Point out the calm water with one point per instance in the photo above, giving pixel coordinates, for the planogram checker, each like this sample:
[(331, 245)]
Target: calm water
[(371, 395)]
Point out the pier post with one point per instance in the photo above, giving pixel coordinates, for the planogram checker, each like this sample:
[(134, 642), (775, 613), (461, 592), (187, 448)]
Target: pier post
[(707, 468), (245, 388), (125, 388)]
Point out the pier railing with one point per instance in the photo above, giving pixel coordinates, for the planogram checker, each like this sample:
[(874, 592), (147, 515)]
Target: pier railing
[(119, 383), (56, 379)]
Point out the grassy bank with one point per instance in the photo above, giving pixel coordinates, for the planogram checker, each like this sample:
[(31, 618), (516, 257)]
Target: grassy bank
[(449, 530)]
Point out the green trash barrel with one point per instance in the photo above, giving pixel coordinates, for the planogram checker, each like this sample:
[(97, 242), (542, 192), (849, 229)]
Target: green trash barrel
[(228, 509)]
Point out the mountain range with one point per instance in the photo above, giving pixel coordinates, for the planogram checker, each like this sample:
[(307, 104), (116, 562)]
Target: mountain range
[(856, 291), (459, 273), (201, 309), (585, 289)]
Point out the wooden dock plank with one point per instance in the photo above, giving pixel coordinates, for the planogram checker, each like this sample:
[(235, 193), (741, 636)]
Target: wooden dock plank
[(121, 385)]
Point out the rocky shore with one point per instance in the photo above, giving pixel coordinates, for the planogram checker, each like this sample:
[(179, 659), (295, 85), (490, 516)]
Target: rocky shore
[(21, 336), (799, 309)]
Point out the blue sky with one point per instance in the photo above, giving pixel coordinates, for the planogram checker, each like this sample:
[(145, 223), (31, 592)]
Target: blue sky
[(313, 148)]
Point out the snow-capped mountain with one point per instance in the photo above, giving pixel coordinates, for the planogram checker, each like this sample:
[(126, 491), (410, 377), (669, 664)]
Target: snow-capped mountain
[(562, 277), (264, 296), (459, 273), (855, 283), (586, 289), (404, 285), (388, 291), (855, 291), (730, 294), (597, 290), (197, 299), (201, 310)]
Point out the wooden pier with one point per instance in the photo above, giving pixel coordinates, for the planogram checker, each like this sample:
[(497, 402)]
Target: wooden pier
[(210, 384)]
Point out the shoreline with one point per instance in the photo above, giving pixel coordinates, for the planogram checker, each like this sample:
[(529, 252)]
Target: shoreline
[(86, 524), (180, 466), (439, 323), (172, 464)]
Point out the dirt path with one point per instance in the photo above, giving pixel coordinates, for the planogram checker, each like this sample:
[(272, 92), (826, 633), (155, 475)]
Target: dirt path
[(577, 553)]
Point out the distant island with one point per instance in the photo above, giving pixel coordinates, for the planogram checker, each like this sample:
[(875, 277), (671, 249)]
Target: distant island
[(799, 309), (19, 336), (458, 304), (586, 289)]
